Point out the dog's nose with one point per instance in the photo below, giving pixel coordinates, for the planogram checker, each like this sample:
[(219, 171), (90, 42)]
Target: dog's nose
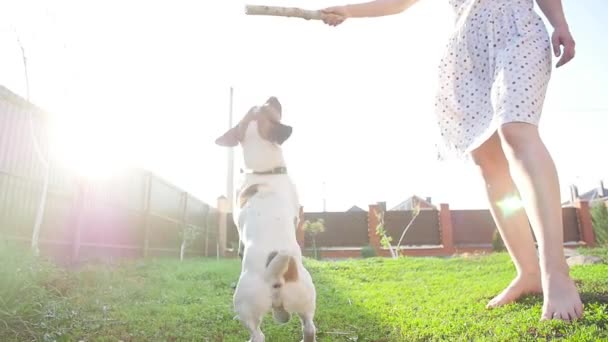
[(274, 102)]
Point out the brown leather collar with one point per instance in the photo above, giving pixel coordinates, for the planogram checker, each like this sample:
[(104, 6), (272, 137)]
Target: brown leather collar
[(280, 170)]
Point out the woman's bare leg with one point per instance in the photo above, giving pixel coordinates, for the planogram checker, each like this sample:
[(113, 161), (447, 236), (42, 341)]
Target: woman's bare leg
[(512, 222), (534, 174)]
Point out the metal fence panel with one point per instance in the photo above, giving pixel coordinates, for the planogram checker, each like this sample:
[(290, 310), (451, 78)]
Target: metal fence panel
[(165, 199), (571, 225), (109, 218), (342, 229), (19, 205), (472, 227), (424, 231), (19, 123), (124, 189)]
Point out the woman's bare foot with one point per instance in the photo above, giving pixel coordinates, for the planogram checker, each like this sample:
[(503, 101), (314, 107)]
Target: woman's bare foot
[(520, 286), (561, 298)]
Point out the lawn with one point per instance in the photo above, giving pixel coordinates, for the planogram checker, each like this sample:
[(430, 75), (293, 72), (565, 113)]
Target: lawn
[(411, 299)]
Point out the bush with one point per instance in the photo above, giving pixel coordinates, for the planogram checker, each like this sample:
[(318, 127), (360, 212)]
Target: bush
[(313, 228), (599, 216), (368, 252), (497, 244)]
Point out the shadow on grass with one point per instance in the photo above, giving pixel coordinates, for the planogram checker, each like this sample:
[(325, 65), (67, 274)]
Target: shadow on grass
[(588, 296), (338, 316), (593, 291), (341, 313), (594, 297), (593, 324)]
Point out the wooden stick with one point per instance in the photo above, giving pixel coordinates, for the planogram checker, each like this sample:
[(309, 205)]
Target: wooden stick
[(282, 12)]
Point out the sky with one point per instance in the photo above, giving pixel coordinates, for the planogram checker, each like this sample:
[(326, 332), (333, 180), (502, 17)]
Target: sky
[(146, 83)]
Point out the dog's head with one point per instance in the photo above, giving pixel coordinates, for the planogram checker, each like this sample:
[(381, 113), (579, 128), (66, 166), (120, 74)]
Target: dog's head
[(260, 123), (260, 133)]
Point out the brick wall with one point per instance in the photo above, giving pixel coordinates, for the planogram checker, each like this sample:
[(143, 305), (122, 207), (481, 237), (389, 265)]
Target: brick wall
[(435, 232)]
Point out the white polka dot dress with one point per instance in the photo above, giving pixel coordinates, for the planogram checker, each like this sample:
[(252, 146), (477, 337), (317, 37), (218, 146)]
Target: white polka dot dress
[(495, 70)]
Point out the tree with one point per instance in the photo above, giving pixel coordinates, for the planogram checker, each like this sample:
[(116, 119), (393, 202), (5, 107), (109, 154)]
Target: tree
[(385, 240), (498, 244), (313, 228), (189, 234), (211, 227), (44, 160), (415, 212)]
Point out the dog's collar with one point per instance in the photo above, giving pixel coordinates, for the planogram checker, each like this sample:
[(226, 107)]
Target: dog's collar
[(276, 171)]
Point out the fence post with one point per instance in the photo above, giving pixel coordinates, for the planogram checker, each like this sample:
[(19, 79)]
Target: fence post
[(81, 204), (372, 223), (585, 224), (300, 236), (184, 227), (206, 225), (146, 212), (222, 207), (446, 229)]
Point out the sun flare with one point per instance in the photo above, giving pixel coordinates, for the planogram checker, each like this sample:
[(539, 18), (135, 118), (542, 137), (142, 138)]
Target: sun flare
[(510, 205), (86, 148)]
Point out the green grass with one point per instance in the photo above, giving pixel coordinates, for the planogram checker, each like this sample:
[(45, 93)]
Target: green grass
[(411, 299)]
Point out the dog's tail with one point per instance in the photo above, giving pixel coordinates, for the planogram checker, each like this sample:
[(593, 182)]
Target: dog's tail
[(281, 268)]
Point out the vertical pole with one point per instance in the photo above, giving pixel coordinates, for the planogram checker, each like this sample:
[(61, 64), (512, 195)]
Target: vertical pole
[(82, 205), (324, 197), (146, 212), (230, 170), (208, 212), (222, 207), (184, 227), (41, 208)]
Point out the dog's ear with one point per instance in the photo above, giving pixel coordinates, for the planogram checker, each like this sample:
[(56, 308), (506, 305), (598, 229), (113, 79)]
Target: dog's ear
[(230, 138), (274, 103), (280, 133)]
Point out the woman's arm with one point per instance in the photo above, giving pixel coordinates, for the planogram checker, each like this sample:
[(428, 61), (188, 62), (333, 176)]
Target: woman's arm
[(554, 11), (336, 15), (377, 8)]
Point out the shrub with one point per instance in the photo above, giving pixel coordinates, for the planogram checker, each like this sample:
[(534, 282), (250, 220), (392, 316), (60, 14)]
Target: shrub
[(313, 229), (599, 216), (497, 244), (368, 252)]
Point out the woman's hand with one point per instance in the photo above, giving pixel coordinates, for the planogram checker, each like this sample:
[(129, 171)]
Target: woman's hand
[(334, 16), (562, 37)]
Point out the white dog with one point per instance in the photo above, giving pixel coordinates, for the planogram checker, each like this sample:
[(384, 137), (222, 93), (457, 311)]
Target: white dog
[(266, 214)]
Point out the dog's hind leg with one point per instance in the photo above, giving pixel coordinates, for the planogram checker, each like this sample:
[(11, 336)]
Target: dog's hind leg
[(252, 300), (251, 318), (254, 330), (309, 331)]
